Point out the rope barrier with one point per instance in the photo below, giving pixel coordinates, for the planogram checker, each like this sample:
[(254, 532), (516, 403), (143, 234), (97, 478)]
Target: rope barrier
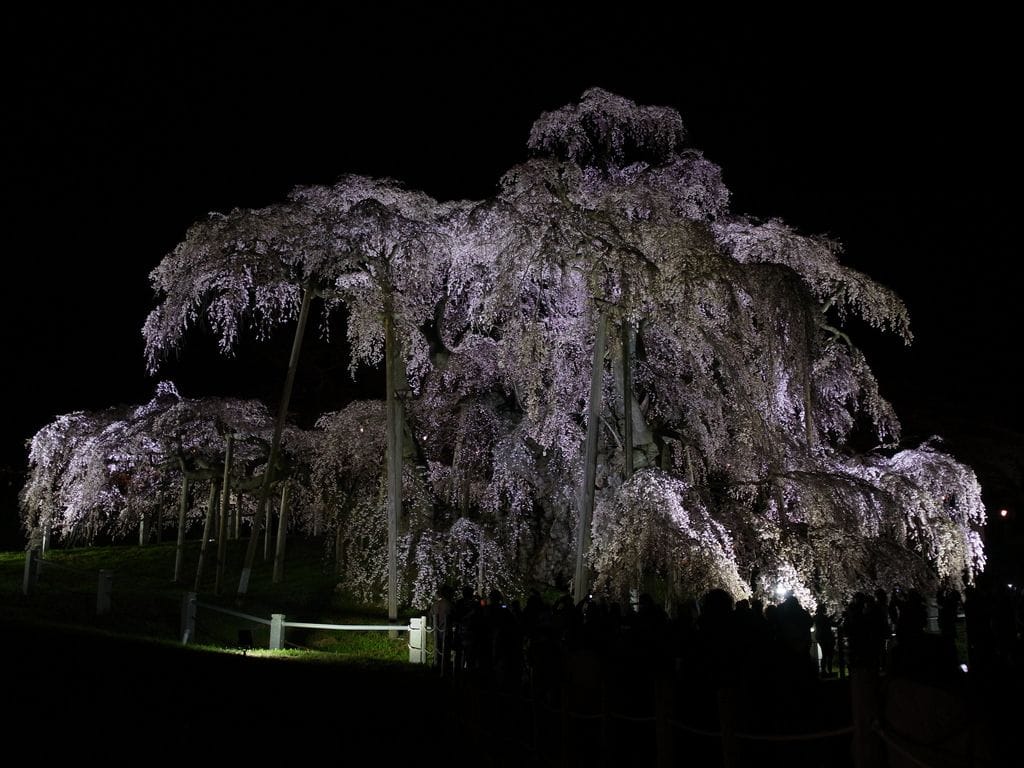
[(246, 616), (845, 731), (62, 567), (911, 750), (813, 736), (698, 731), (631, 718)]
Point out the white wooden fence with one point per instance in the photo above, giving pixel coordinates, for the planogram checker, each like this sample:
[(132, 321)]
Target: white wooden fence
[(417, 627)]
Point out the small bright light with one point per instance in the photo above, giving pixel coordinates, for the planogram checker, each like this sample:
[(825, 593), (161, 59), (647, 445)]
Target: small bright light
[(1009, 586), (1003, 513), (963, 667), (781, 590)]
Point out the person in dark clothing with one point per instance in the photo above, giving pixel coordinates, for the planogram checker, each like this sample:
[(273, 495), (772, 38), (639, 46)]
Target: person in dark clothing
[(462, 639), (506, 643), (824, 634), (882, 613), (716, 639), (949, 609), (794, 623), (442, 621), (917, 655), (859, 641)]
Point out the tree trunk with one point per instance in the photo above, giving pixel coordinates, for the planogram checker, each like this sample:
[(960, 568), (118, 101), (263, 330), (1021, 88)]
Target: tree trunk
[(160, 517), (179, 551), (480, 586), (690, 472), (338, 569), (263, 500), (809, 408), (282, 532), (211, 507), (222, 522), (643, 447), (586, 496), (627, 398), (267, 528), (47, 533), (394, 381)]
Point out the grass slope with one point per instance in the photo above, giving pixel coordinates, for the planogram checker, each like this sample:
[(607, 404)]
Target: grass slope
[(146, 603), (123, 687)]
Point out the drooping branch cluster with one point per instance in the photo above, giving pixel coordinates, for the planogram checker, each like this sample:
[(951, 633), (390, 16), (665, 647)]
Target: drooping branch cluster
[(97, 474)]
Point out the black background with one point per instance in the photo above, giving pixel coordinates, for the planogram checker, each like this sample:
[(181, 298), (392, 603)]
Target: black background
[(896, 136)]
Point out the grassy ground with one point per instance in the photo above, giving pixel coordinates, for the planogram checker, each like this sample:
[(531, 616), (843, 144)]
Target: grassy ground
[(123, 687), (146, 603)]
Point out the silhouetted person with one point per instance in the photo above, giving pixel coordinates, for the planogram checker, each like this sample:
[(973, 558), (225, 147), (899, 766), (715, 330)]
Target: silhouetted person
[(650, 621), (566, 621), (684, 637), (442, 620), (860, 642), (506, 643), (716, 639), (882, 616), (532, 612), (824, 633), (917, 655), (541, 648), (753, 642), (842, 659), (794, 623), (949, 609), (462, 639), (876, 631), (481, 641)]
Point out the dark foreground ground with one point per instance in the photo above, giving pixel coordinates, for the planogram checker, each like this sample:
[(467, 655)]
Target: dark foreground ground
[(95, 699), (86, 697)]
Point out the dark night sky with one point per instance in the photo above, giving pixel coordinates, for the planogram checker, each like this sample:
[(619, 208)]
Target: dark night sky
[(898, 137)]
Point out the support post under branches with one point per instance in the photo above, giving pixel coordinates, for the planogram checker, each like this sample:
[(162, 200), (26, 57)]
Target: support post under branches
[(275, 444), (586, 497), (395, 417)]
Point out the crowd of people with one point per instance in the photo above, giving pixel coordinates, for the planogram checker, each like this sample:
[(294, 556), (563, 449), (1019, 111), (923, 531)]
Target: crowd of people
[(767, 668), (714, 641)]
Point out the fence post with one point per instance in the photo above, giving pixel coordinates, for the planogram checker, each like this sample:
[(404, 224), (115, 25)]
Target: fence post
[(188, 617), (31, 571), (103, 589), (417, 640), (932, 610), (663, 705), (727, 722), (564, 726), (276, 631)]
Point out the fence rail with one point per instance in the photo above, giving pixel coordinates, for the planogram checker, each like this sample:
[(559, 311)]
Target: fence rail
[(546, 734), (417, 627)]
